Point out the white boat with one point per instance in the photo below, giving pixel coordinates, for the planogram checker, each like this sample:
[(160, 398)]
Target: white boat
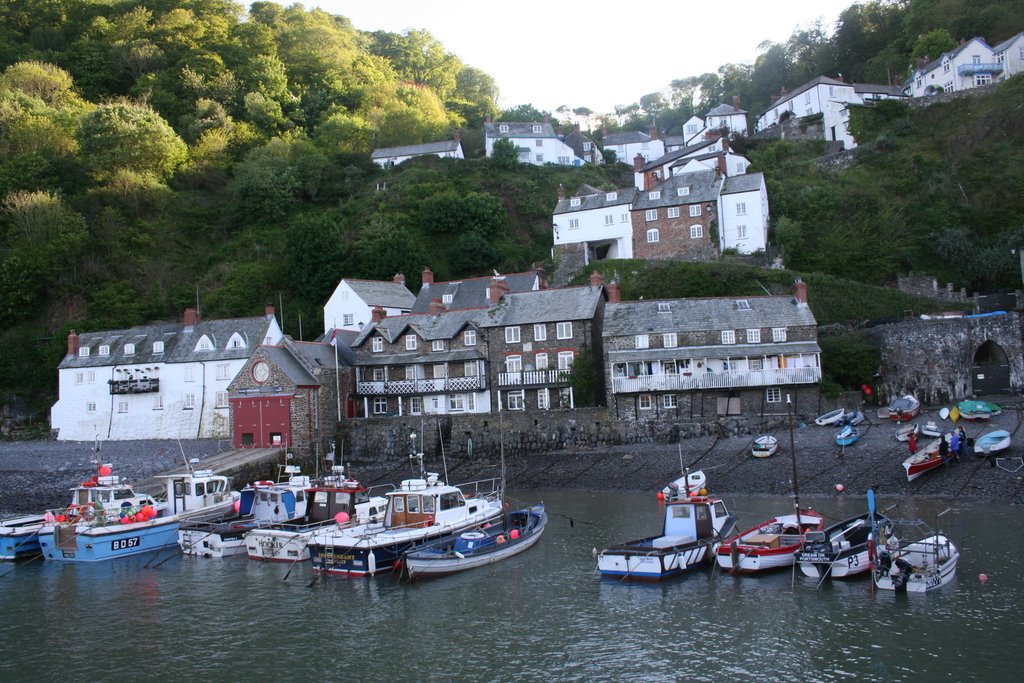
[(769, 545), (138, 528), (904, 408), (992, 442), (693, 529), (833, 417), (903, 432), (840, 551), (336, 500), (918, 567), (932, 429), (689, 483), (259, 504), (420, 511), (519, 531), (103, 493), (764, 446)]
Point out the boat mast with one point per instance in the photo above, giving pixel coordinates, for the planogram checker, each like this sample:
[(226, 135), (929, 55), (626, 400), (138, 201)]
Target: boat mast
[(792, 455)]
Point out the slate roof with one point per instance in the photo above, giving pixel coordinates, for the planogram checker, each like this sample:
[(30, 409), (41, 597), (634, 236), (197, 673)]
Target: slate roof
[(951, 54), (597, 200), (179, 343), (820, 80), (471, 292), (575, 140), (1005, 45), (428, 327), (699, 315), (673, 140), (544, 306), (745, 182), (704, 187), (678, 154), (519, 130), (715, 351), (383, 293), (725, 110), (891, 90), (415, 150), (627, 137)]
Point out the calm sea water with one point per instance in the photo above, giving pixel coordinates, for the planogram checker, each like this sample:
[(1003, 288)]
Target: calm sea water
[(543, 615)]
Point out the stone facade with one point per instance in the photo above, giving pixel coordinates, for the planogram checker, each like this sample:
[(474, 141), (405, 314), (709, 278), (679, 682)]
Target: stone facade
[(675, 235)]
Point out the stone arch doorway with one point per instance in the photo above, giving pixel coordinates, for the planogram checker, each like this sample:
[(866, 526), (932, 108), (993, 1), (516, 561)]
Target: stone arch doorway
[(990, 371)]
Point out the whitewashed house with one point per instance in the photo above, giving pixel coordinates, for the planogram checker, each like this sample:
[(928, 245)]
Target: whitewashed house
[(1009, 54), (743, 213), (160, 381), (727, 116), (822, 95), (597, 218), (392, 156), (713, 152), (630, 143), (537, 142), (972, 64), (351, 305)]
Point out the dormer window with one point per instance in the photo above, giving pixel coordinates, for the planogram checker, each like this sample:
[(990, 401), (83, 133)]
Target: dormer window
[(683, 191), (236, 341), (129, 349), (158, 347), (654, 195), (663, 307), (104, 350), (503, 128), (446, 298), (611, 196), (575, 201), (83, 352), (204, 344), (536, 128), (586, 146), (742, 305)]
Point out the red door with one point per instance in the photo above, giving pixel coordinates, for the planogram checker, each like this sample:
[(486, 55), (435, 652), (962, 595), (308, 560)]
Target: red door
[(262, 422)]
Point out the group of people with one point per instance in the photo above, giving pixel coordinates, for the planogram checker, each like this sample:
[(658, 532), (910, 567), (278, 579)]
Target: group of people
[(952, 447)]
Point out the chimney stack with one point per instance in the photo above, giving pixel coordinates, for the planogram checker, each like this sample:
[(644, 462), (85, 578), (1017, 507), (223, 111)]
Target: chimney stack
[(800, 292), (487, 118), (654, 131), (436, 307), (725, 143), (596, 279), (614, 296), (576, 127), (839, 77), (378, 314), (542, 277), (268, 311), (399, 278), (72, 343), (427, 278), (561, 191), (604, 131), (735, 102), (457, 136), (498, 289), (638, 162), (191, 317), (547, 119), (721, 168)]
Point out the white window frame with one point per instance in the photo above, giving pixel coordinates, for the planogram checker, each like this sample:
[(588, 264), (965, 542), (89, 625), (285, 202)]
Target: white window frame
[(122, 407), (512, 334), (437, 345), (90, 406), (574, 223), (516, 400), (415, 405), (221, 400), (104, 350), (778, 334), (656, 194), (673, 212), (90, 377), (644, 402), (348, 319), (79, 378), (541, 361), (540, 332), (669, 401), (543, 399), (773, 395), (728, 336), (189, 372), (642, 341), (566, 359), (651, 215), (410, 373), (563, 330), (513, 364), (609, 219), (158, 402), (380, 405), (670, 340), (694, 210), (83, 352), (158, 347), (470, 369), (502, 127), (410, 342), (653, 236), (754, 336), (741, 208), (189, 402), (379, 375), (457, 403), (611, 196), (574, 201), (129, 349), (378, 344), (741, 232), (469, 338), (696, 232), (683, 191), (222, 370)]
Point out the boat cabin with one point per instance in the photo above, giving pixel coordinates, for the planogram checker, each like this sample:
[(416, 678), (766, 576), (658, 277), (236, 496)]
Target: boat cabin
[(697, 518), (194, 490), (419, 502), (108, 492)]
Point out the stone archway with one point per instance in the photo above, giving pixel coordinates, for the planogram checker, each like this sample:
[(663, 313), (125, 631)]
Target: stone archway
[(990, 370)]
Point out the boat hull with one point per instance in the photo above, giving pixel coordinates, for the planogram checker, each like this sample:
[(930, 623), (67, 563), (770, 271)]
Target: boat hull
[(839, 565), (916, 469), (222, 540), (641, 563), (928, 571), (768, 546), (422, 564), (278, 545), (19, 537)]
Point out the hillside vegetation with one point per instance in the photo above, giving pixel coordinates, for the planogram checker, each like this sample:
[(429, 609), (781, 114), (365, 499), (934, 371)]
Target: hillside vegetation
[(154, 155)]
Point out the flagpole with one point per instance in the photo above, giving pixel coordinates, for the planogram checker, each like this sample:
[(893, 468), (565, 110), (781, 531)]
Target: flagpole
[(337, 375)]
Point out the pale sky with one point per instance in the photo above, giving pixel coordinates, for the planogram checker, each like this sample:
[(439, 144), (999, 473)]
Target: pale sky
[(597, 55)]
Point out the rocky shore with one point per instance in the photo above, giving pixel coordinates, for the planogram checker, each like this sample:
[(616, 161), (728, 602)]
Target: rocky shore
[(38, 474)]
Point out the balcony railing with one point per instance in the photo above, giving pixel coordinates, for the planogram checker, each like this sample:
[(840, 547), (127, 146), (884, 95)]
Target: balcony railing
[(133, 386), (403, 387), (715, 380), (533, 377), (986, 68)]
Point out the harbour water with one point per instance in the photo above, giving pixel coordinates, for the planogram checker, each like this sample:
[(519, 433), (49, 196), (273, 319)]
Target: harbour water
[(543, 615)]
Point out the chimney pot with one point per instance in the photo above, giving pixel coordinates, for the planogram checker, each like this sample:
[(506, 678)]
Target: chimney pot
[(72, 343), (378, 314), (428, 276), (436, 307), (399, 278)]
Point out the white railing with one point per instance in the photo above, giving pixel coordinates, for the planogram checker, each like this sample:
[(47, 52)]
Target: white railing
[(421, 386), (528, 377), (715, 380)]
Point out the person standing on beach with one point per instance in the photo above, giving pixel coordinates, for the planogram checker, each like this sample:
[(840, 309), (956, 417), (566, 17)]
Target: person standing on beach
[(912, 443), (954, 446), (944, 448)]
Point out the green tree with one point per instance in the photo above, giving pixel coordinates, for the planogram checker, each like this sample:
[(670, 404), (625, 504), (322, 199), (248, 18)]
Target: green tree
[(933, 44), (505, 154), (125, 135)]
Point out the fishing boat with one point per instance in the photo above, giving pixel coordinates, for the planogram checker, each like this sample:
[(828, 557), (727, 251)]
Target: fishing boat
[(136, 528), (769, 545), (261, 503), (833, 417), (690, 482), (105, 493), (978, 411), (904, 408), (421, 510), (918, 567), (693, 529), (764, 446), (839, 551), (992, 442), (925, 460), (931, 428), (335, 500), (855, 418), (519, 531), (903, 432), (847, 436)]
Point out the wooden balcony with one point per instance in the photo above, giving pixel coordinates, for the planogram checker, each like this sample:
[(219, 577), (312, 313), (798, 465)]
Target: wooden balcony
[(133, 386), (715, 380), (412, 387), (533, 378)]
